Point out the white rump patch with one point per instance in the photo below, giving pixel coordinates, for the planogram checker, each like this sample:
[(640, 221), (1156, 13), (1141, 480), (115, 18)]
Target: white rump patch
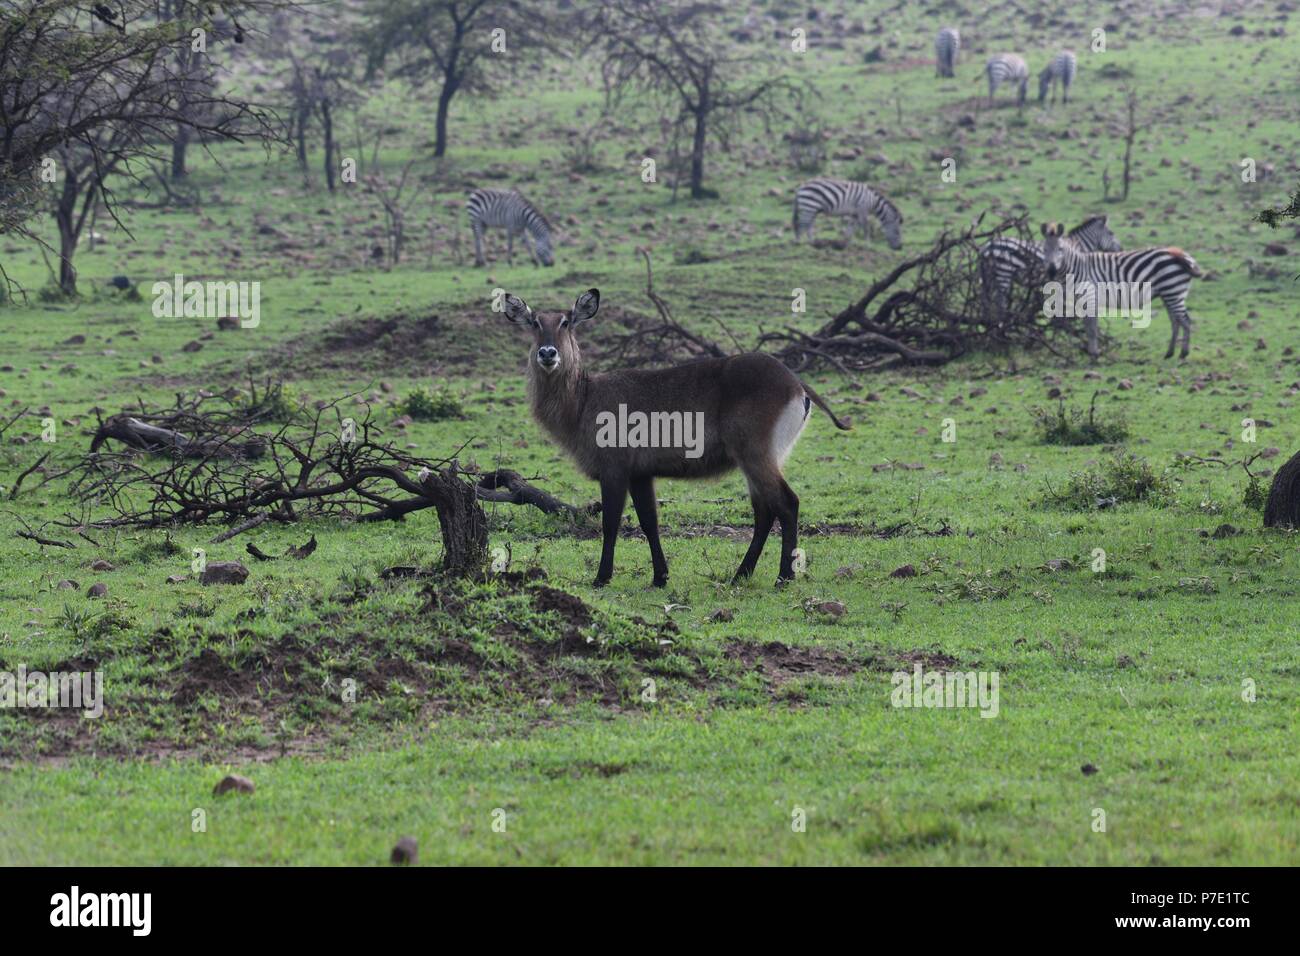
[(789, 426)]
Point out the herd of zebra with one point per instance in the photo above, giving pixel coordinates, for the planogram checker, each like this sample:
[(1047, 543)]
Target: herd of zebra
[(1089, 254), (1009, 68)]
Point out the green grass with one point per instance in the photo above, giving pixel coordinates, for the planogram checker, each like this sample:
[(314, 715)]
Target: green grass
[(1136, 669)]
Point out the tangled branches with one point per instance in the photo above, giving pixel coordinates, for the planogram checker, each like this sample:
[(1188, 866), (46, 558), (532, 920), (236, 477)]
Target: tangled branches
[(204, 461), (945, 309)]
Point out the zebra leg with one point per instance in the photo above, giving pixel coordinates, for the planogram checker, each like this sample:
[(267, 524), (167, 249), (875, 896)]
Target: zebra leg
[(1173, 323), (478, 245), (510, 246), (1187, 332)]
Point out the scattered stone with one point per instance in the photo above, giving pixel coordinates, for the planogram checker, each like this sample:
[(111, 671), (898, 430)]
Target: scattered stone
[(830, 608), (177, 578), (192, 346), (1124, 385), (227, 323), (406, 853), (233, 781), (67, 585), (224, 572), (722, 615), (1088, 770), (97, 590), (906, 571), (1225, 530), (1057, 564), (101, 565)]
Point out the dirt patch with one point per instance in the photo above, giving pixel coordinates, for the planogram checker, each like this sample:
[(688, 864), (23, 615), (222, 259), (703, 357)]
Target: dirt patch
[(930, 660), (779, 662)]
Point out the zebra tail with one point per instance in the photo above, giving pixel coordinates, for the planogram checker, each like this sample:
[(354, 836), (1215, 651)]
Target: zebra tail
[(1186, 260)]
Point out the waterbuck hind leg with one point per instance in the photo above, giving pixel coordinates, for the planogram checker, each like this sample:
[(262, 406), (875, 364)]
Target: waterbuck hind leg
[(647, 513), (613, 498), (763, 519), (788, 512)]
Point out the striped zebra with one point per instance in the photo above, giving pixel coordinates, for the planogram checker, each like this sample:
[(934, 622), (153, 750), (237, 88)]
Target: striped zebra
[(1010, 259), (1063, 67), (497, 207), (838, 197), (946, 47), (1007, 67), (1165, 271)]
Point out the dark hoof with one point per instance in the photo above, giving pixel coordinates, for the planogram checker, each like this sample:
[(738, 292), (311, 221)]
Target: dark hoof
[(1182, 355), (660, 582), (741, 576), (599, 582), (782, 582), (1169, 354)]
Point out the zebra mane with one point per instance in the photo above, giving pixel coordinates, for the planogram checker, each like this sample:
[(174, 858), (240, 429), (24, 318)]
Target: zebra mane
[(1086, 224), (536, 212)]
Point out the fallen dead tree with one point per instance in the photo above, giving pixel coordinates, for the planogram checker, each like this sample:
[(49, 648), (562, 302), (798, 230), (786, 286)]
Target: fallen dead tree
[(931, 309), (319, 464)]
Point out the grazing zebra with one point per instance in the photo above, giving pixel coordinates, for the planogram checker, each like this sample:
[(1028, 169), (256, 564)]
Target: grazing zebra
[(1063, 67), (1007, 259), (946, 47), (1008, 67), (1164, 271), (497, 207), (838, 197)]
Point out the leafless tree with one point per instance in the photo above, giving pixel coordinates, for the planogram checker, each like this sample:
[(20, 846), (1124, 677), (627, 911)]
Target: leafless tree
[(452, 44), (103, 89), (679, 51)]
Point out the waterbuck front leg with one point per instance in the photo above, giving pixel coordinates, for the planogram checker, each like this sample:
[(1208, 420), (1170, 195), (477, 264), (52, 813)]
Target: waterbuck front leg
[(613, 498), (647, 512)]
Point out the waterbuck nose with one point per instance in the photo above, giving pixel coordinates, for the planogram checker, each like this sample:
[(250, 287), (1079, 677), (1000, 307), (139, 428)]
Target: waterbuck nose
[(548, 354)]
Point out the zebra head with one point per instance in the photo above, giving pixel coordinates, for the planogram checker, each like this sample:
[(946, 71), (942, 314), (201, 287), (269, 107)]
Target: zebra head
[(1044, 84), (1053, 248), (1094, 235), (542, 246)]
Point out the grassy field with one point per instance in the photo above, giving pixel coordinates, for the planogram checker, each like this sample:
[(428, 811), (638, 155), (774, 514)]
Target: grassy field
[(533, 719)]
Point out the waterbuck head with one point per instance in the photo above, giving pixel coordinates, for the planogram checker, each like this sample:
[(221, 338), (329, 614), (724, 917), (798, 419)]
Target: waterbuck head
[(1052, 234), (554, 344)]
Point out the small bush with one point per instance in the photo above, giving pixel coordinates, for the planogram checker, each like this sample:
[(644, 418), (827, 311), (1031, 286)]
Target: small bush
[(436, 406), (1256, 494), (1071, 428), (1121, 478)]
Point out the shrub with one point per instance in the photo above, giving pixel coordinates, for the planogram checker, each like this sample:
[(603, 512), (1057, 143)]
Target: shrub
[(436, 406), (1071, 428), (1121, 478)]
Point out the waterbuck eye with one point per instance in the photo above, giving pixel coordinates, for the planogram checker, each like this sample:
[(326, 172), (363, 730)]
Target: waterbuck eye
[(564, 323)]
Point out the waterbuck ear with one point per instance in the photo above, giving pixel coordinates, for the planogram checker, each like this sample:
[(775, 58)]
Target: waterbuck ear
[(585, 307), (517, 311)]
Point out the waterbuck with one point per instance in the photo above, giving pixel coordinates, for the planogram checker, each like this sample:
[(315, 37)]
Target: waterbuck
[(698, 420)]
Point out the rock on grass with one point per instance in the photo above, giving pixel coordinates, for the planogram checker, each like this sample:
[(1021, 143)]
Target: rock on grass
[(224, 572), (233, 781)]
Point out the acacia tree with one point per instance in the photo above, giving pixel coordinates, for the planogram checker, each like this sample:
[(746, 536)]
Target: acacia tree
[(680, 51), (86, 93), (453, 44), (1273, 217)]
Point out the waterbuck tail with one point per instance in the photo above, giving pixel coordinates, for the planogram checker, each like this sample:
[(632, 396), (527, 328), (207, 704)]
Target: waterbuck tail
[(820, 402)]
